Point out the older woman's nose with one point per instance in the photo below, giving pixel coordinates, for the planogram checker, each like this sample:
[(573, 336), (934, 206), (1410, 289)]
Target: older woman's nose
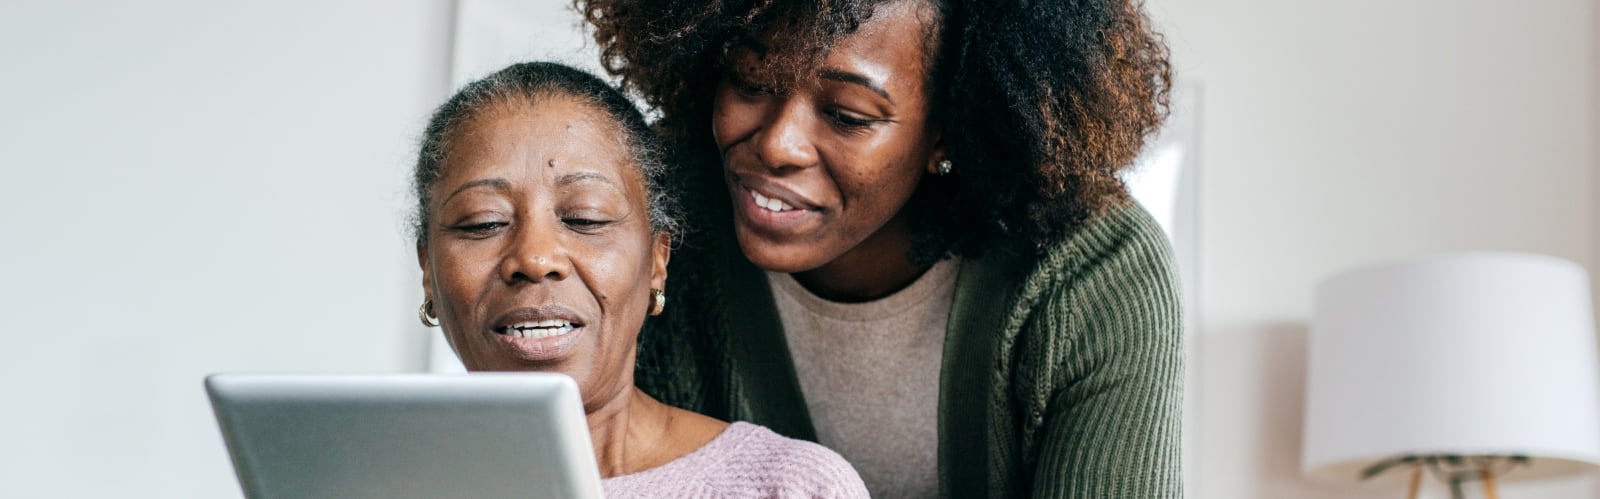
[(784, 140), (535, 255)]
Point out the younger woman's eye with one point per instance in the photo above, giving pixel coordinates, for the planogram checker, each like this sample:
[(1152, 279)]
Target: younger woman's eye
[(848, 121), (748, 88)]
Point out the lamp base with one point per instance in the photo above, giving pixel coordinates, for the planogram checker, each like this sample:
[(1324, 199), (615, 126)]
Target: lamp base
[(1455, 470)]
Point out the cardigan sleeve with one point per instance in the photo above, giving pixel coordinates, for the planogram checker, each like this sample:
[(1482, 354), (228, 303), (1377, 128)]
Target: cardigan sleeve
[(1111, 415)]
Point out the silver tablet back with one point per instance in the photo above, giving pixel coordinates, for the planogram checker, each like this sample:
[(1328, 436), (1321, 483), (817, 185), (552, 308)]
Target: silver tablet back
[(406, 436)]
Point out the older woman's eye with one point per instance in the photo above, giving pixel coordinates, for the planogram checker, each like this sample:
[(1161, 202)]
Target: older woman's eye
[(479, 228), (584, 223)]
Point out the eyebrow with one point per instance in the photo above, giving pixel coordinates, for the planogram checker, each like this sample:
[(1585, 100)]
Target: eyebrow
[(848, 77), (497, 183), (575, 177), (503, 184)]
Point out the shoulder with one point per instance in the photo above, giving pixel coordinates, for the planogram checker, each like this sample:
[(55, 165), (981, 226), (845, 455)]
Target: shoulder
[(1107, 291), (785, 467), (1122, 251), (1121, 240), (1119, 255)]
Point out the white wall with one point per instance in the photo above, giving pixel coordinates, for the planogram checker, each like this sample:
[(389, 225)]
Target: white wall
[(1594, 106), (1344, 132), (1594, 149), (192, 187)]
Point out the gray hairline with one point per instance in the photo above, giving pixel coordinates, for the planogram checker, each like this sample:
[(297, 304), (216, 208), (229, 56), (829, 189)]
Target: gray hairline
[(661, 205)]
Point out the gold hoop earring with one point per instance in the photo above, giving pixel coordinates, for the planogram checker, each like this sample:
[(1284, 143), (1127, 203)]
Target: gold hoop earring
[(659, 301), (425, 314)]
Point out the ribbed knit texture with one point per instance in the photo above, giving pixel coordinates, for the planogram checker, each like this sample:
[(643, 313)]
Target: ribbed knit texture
[(1063, 373), (745, 461), (1099, 363)]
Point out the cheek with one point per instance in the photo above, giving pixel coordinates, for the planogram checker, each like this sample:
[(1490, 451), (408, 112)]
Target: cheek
[(880, 178), (618, 277), (730, 119), (461, 273)]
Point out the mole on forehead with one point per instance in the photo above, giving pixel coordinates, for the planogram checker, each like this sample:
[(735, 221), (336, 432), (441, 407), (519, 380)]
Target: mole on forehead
[(581, 142)]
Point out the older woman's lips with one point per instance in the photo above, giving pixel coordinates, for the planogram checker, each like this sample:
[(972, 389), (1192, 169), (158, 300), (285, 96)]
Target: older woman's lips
[(539, 334), (538, 329)]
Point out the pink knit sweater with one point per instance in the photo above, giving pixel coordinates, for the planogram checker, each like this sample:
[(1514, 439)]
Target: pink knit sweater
[(745, 461)]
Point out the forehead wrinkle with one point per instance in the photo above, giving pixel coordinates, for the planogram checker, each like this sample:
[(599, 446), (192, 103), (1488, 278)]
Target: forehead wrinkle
[(617, 154), (591, 144), (578, 135), (620, 146), (588, 115)]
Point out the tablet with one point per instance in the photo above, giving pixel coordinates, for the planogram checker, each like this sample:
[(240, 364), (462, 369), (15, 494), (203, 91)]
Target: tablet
[(485, 435)]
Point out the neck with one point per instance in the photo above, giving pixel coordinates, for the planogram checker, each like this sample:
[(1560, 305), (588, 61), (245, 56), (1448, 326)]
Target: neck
[(626, 431), (876, 268)]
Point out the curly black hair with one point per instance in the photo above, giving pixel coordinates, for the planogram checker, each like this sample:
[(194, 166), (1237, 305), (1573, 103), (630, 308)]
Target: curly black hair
[(529, 82), (1040, 102)]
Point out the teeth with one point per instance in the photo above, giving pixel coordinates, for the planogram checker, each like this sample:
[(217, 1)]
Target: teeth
[(540, 329), (770, 203), (543, 323), (545, 332)]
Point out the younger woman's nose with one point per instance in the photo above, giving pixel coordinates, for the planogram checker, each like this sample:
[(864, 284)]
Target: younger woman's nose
[(784, 140)]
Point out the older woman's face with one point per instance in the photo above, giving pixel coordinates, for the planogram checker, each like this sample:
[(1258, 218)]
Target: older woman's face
[(540, 254), (820, 167)]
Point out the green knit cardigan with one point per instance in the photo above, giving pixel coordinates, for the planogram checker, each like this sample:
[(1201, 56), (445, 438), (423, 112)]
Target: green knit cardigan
[(1062, 374)]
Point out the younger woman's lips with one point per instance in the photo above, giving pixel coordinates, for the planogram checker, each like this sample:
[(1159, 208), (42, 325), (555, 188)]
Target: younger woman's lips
[(749, 210)]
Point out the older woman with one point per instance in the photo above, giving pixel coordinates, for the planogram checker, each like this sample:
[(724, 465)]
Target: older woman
[(543, 234), (914, 246)]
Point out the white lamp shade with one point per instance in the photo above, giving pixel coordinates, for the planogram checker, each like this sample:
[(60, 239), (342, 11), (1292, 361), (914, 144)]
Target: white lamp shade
[(1463, 354)]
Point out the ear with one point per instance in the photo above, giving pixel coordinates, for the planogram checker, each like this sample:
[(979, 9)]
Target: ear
[(427, 276), (935, 155), (660, 253)]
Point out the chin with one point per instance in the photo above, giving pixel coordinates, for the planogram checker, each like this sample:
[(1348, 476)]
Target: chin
[(775, 257)]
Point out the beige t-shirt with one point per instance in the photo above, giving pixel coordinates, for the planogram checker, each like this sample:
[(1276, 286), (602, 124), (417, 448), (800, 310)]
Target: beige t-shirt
[(870, 375)]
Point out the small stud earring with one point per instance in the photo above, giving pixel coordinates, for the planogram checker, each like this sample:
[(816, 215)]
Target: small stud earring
[(945, 166), (425, 314)]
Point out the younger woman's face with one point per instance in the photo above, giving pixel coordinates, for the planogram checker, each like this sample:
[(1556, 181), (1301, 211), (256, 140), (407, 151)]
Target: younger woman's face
[(540, 254), (818, 167)]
